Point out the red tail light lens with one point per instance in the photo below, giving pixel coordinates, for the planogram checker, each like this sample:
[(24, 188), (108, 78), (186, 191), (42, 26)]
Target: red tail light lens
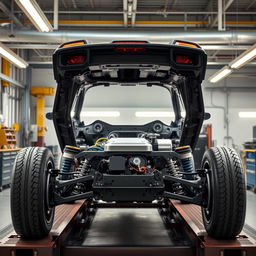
[(129, 49), (129, 42), (183, 59), (76, 60)]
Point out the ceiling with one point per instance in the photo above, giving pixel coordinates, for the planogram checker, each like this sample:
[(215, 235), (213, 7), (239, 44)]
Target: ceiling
[(154, 20)]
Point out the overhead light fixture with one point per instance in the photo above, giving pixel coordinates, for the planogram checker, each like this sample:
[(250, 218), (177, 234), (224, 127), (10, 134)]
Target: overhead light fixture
[(222, 73), (100, 114), (247, 114), (244, 58), (237, 63), (12, 57), (35, 14)]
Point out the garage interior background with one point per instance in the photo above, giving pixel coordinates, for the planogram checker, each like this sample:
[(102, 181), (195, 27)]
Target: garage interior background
[(224, 28), (224, 37)]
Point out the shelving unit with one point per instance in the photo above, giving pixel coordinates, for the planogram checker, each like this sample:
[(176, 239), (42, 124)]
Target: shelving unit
[(7, 138)]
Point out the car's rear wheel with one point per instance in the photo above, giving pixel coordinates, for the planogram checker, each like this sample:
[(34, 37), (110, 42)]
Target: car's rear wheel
[(224, 213), (32, 213)]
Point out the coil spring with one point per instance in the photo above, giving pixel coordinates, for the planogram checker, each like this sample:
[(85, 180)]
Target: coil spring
[(65, 167), (188, 166), (173, 169), (85, 167)]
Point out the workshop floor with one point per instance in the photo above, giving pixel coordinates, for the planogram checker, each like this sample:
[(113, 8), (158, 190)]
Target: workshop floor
[(5, 218)]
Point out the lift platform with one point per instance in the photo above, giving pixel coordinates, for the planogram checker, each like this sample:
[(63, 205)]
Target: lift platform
[(87, 228)]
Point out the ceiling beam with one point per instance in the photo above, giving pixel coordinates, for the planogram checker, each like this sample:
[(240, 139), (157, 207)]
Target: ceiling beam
[(220, 15), (56, 15), (141, 23), (64, 4), (10, 80), (166, 3), (226, 6), (8, 12), (209, 9), (134, 9), (229, 2), (173, 4), (125, 12), (74, 4), (250, 4), (148, 12), (92, 3)]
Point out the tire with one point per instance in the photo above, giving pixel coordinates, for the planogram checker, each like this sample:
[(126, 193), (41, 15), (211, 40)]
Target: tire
[(32, 216), (224, 214)]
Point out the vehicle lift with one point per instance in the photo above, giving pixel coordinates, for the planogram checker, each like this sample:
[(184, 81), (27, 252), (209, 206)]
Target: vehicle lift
[(94, 228), (40, 92)]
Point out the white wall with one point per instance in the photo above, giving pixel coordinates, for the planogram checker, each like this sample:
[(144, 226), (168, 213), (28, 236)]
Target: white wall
[(239, 129)]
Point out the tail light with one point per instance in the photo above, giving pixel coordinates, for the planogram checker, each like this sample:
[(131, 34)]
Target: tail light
[(78, 59), (184, 59), (130, 42), (73, 43), (185, 43), (129, 49)]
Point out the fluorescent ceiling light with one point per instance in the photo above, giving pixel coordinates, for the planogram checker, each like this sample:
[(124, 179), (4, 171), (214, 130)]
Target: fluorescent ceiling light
[(225, 71), (12, 57), (100, 114), (156, 114), (244, 58), (237, 63), (35, 14), (247, 114)]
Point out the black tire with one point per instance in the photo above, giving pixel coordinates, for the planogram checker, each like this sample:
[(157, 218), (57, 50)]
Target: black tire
[(32, 216), (225, 212)]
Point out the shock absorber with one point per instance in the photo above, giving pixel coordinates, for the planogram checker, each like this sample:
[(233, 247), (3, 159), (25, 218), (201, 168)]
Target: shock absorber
[(187, 160), (173, 172), (85, 167), (67, 159)]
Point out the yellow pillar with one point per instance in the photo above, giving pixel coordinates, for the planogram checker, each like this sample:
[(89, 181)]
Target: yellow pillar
[(40, 102), (5, 71), (40, 93)]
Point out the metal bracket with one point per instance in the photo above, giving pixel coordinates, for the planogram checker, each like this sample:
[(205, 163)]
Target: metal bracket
[(63, 183), (197, 199), (62, 200), (193, 183)]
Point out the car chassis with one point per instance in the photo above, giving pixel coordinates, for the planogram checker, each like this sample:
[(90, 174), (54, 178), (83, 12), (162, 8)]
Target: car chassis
[(136, 163)]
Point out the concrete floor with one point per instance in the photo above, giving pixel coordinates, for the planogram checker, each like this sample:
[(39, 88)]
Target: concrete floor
[(251, 209), (5, 219)]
